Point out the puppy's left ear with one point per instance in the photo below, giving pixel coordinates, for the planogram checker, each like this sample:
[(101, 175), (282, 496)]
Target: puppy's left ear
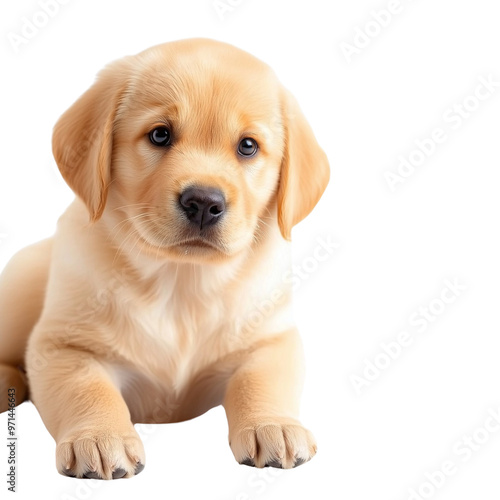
[(305, 171), (82, 141)]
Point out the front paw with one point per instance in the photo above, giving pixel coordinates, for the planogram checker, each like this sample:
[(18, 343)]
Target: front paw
[(100, 454), (273, 442)]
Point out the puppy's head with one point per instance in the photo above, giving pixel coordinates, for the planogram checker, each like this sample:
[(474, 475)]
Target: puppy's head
[(194, 147)]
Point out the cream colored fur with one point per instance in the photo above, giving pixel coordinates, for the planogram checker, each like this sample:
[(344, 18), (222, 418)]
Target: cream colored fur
[(120, 318)]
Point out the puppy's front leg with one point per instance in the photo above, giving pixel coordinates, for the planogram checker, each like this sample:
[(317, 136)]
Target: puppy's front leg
[(85, 413), (262, 405)]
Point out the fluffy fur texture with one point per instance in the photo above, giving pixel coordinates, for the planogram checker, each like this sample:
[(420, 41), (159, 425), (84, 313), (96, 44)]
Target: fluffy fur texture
[(129, 314)]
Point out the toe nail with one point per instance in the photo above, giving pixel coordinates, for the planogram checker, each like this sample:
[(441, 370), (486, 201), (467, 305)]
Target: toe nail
[(139, 468), (92, 474), (274, 463), (119, 473), (249, 462), (299, 461)]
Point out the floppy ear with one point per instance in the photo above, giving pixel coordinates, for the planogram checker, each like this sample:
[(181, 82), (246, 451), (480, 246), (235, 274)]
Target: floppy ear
[(82, 141), (304, 171)]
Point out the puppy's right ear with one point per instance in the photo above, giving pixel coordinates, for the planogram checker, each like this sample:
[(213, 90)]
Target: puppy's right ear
[(82, 141)]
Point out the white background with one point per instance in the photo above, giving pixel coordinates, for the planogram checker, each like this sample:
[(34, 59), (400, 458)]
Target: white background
[(396, 248)]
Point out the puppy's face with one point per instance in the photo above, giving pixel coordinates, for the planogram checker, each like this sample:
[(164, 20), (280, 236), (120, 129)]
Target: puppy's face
[(195, 148), (198, 147)]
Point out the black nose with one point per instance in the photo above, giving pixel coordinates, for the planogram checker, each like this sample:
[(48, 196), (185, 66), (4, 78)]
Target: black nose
[(203, 206)]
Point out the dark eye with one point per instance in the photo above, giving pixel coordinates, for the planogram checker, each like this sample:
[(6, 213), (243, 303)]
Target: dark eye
[(247, 147), (160, 136)]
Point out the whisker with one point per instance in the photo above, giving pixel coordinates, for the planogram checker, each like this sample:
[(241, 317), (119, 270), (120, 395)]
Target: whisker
[(134, 231), (144, 215), (142, 205)]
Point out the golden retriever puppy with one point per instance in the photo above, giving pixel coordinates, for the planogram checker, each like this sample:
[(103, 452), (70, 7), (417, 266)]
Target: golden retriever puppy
[(161, 294)]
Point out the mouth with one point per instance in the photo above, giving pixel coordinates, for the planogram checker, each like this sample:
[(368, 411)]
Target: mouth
[(199, 243), (196, 243)]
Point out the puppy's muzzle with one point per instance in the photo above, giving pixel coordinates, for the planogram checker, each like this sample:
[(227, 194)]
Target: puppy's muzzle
[(204, 206)]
